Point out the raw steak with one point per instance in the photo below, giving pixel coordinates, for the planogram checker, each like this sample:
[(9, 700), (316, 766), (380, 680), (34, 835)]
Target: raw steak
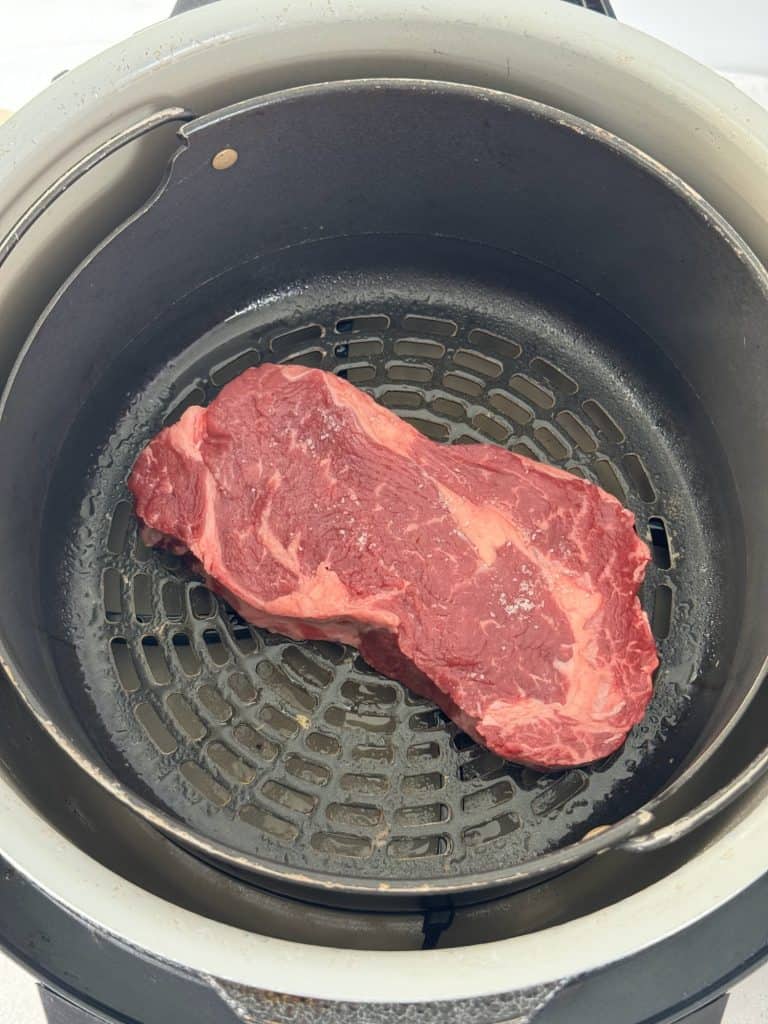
[(502, 589)]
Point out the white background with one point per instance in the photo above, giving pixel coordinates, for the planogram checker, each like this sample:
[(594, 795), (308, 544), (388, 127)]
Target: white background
[(41, 38)]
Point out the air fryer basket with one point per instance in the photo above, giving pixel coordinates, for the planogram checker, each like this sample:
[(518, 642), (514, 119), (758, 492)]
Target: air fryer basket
[(494, 271)]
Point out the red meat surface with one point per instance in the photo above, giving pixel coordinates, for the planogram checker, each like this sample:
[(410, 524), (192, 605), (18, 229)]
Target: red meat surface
[(502, 589)]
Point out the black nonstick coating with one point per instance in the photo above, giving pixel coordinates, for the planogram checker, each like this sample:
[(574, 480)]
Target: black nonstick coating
[(492, 271)]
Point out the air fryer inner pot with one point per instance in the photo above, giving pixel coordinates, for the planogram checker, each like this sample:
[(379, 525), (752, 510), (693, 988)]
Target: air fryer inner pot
[(494, 271)]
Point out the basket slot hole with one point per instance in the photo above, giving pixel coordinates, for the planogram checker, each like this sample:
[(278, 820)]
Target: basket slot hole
[(526, 448), (372, 322), (448, 407), (429, 428), (229, 764), (368, 785), (461, 741), (341, 718), (490, 830), (609, 479), (359, 374), (291, 692), (401, 399), (242, 637), (486, 799), (113, 597), (426, 782), (243, 688), (215, 646), (504, 347), (153, 655), (150, 721), (383, 755), (173, 601), (426, 814), (478, 363), (360, 348), (578, 432), (356, 815), (266, 670), (142, 597), (306, 667), (529, 779), (415, 700), (201, 602), (141, 552), (118, 528), (166, 559), (265, 821), (510, 407), (420, 348), (255, 742), (340, 845), (311, 357), (605, 424), (184, 717), (185, 653), (124, 666), (239, 632), (556, 796), (227, 371), (419, 846), (292, 799), (414, 372), (427, 720), (204, 784), (660, 549), (194, 395), (635, 469), (329, 650), (559, 380), (430, 325), (298, 336), (307, 771), (554, 445), (484, 765), (322, 743), (219, 710), (491, 428), (281, 723), (424, 752), (662, 612), (536, 393), (362, 667), (464, 384), (358, 691), (232, 618)]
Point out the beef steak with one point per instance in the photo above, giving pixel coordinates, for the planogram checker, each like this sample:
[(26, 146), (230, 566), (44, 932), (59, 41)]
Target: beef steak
[(503, 589)]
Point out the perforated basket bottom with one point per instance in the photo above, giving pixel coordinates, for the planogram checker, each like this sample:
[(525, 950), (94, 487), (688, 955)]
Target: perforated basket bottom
[(299, 754)]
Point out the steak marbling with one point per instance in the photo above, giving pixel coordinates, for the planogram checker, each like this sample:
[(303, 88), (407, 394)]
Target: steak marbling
[(503, 589)]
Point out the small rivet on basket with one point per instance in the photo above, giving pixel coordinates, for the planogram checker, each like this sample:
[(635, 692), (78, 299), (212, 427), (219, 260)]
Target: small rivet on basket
[(224, 159)]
